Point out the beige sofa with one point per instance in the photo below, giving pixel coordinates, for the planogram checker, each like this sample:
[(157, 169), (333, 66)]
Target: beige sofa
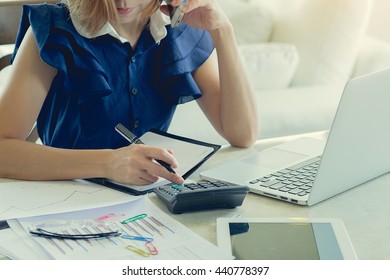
[(299, 54)]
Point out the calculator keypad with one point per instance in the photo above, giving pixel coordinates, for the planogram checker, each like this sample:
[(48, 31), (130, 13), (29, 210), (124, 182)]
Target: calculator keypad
[(173, 189), (201, 195)]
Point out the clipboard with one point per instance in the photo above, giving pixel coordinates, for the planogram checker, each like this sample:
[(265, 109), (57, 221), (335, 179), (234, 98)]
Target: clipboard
[(190, 154)]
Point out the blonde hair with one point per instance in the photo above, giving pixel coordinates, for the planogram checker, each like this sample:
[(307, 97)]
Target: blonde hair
[(93, 14)]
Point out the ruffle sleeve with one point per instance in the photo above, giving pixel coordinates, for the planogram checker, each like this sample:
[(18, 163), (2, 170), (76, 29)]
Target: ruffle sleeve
[(60, 47), (185, 49)]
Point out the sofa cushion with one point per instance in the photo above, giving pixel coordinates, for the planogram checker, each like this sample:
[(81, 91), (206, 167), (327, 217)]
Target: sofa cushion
[(251, 23), (269, 65), (374, 55), (327, 34)]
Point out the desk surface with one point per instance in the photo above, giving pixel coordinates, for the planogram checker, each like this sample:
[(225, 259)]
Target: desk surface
[(363, 209)]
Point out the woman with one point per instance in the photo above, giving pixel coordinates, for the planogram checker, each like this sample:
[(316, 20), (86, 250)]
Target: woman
[(82, 66)]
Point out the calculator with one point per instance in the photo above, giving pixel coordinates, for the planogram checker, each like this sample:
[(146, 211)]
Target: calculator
[(202, 195)]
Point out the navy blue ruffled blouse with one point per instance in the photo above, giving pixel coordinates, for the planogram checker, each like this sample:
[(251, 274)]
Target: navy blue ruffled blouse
[(102, 82)]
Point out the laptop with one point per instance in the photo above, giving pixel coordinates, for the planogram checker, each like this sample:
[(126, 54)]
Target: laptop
[(307, 171)]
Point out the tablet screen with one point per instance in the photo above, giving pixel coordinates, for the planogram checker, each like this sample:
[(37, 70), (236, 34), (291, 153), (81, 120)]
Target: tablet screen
[(254, 240)]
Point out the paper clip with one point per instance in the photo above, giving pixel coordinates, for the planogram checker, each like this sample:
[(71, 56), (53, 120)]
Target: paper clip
[(135, 218), (137, 238), (151, 248), (138, 251)]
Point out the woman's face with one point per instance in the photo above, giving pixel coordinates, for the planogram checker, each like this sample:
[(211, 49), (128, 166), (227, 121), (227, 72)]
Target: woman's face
[(129, 10)]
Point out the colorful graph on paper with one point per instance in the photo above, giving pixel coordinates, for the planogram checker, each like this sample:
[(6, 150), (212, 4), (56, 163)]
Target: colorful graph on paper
[(169, 239)]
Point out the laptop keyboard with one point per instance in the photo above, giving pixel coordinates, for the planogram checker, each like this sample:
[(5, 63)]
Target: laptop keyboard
[(297, 179)]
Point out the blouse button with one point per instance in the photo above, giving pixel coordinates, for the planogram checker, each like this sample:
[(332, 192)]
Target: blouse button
[(132, 59), (136, 123), (134, 91)]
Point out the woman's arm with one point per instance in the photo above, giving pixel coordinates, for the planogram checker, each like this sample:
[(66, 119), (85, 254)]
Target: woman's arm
[(20, 103), (227, 99)]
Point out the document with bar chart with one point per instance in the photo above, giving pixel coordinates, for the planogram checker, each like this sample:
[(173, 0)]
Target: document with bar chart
[(131, 230)]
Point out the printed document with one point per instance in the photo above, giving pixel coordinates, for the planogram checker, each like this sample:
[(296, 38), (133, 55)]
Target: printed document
[(156, 235)]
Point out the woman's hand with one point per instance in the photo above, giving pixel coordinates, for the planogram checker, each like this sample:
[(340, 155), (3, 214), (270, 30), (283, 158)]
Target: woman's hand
[(136, 165), (201, 14)]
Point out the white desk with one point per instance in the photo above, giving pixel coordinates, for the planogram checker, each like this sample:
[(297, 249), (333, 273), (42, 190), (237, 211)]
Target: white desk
[(363, 209)]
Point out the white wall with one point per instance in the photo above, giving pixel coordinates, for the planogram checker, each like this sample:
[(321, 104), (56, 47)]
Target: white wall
[(380, 20)]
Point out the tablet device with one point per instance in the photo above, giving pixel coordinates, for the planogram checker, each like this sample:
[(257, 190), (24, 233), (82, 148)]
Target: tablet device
[(284, 239)]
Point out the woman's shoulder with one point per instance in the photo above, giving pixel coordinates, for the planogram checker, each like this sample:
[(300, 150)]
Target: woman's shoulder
[(50, 23), (47, 15), (57, 40), (45, 10)]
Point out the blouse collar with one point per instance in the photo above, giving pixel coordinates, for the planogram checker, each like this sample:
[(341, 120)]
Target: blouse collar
[(157, 27)]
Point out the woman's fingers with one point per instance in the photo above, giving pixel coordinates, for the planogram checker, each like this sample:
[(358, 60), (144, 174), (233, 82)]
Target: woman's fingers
[(136, 164)]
